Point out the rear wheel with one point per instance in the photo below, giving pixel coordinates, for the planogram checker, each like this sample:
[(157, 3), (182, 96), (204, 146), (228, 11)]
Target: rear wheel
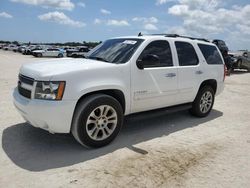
[(203, 102), (60, 55), (97, 120), (74, 56)]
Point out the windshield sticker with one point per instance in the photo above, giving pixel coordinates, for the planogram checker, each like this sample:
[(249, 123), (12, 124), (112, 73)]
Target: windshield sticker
[(129, 42)]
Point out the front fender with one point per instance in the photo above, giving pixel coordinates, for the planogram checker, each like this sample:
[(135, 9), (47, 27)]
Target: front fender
[(105, 87)]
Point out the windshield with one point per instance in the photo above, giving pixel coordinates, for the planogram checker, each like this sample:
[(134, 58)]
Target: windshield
[(115, 50)]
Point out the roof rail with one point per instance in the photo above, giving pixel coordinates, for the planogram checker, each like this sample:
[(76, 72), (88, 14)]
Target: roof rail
[(174, 36), (158, 34), (193, 38)]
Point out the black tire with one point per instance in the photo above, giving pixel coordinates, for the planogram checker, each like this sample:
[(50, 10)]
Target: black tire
[(39, 55), (239, 63), (196, 109), (82, 113), (60, 55)]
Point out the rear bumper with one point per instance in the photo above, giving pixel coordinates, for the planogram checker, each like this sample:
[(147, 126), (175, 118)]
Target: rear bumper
[(220, 87), (53, 116)]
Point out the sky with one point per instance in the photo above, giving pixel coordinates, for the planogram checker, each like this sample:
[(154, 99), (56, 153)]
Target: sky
[(98, 20)]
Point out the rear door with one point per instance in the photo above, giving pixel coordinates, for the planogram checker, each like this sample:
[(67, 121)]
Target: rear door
[(55, 52), (190, 71), (48, 52)]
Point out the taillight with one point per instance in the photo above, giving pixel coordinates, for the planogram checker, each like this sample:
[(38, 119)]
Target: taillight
[(225, 72)]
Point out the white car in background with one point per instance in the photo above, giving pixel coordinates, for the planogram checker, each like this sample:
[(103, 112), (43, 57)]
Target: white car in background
[(9, 47), (50, 52)]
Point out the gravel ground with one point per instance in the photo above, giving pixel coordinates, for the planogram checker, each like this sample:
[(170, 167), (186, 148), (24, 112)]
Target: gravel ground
[(153, 149)]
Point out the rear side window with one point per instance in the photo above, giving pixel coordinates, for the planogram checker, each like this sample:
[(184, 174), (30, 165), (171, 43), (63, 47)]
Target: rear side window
[(211, 54), (186, 54)]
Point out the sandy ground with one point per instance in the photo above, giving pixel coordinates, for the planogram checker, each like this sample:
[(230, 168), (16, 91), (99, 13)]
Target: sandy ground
[(153, 150)]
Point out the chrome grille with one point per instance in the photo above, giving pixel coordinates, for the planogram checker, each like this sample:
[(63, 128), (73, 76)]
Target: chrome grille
[(26, 80), (24, 91)]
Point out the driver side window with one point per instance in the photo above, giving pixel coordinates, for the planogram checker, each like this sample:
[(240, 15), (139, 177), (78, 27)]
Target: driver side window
[(159, 49)]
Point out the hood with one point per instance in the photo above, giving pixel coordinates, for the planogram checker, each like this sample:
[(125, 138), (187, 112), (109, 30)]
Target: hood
[(46, 69)]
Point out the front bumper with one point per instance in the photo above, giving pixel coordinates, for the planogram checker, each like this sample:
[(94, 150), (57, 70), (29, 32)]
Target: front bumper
[(53, 116)]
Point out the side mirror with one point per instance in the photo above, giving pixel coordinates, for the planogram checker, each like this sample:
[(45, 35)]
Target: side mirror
[(148, 60), (139, 64)]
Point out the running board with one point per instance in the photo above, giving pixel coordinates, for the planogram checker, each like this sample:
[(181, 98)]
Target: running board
[(162, 111)]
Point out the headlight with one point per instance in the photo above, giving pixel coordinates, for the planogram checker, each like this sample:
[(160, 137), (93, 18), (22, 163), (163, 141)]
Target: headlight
[(49, 90)]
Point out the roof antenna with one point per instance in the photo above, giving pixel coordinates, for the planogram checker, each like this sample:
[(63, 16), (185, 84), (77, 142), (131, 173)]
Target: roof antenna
[(140, 34)]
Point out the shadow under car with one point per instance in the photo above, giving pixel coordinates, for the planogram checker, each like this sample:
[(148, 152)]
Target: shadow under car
[(37, 150)]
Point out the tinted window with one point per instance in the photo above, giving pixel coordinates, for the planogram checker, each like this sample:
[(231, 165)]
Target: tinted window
[(115, 50), (211, 54), (83, 50), (186, 54), (52, 49), (162, 50)]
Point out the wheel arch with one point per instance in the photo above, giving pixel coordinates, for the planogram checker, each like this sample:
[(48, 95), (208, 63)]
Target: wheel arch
[(210, 82), (115, 93)]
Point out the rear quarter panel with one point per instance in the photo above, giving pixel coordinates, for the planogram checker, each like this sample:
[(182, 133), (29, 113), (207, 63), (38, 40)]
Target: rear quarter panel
[(212, 71)]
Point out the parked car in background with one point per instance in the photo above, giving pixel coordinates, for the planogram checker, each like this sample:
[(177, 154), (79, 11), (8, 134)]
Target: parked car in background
[(2, 45), (50, 52), (71, 50), (221, 45), (241, 60), (21, 48), (81, 53), (15, 48), (29, 49), (9, 47)]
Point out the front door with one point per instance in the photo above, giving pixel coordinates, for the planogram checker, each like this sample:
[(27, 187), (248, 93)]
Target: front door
[(154, 86)]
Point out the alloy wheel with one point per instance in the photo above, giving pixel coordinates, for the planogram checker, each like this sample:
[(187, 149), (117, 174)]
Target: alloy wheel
[(101, 122)]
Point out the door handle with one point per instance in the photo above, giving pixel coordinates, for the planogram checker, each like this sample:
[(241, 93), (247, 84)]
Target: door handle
[(170, 75), (199, 72)]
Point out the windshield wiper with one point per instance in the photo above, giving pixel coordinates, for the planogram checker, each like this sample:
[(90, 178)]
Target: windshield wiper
[(99, 59)]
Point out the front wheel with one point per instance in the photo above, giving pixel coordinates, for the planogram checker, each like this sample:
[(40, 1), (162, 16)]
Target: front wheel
[(203, 102), (39, 55), (97, 120), (239, 63)]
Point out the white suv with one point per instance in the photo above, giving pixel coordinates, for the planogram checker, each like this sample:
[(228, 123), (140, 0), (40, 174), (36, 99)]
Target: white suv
[(89, 97)]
